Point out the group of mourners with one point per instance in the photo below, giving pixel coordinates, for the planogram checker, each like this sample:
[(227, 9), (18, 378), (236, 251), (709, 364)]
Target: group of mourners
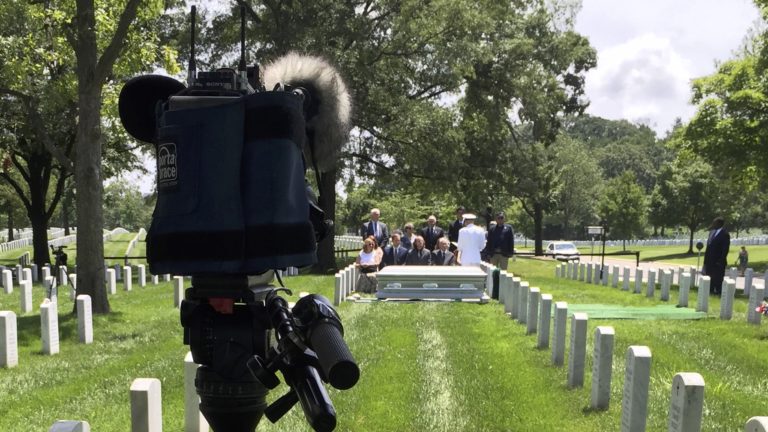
[(465, 244)]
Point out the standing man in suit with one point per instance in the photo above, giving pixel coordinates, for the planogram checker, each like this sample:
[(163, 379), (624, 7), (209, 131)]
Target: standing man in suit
[(501, 242), (442, 256), (471, 241), (376, 228), (395, 253), (418, 255), (431, 233), (716, 255), (453, 230)]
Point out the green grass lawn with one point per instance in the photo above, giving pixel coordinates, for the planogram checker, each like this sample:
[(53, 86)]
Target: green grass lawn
[(758, 254), (424, 365)]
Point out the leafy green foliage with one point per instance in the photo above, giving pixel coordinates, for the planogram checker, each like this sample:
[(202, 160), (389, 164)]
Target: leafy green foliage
[(623, 207), (125, 207)]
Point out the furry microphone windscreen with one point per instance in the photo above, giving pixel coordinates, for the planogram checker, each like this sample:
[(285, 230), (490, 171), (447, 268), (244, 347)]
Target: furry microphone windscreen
[(328, 121)]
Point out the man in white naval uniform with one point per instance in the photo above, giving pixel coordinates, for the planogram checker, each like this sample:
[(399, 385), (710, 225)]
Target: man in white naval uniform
[(471, 241)]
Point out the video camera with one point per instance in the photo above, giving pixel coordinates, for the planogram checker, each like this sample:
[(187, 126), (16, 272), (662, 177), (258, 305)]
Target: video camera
[(230, 178)]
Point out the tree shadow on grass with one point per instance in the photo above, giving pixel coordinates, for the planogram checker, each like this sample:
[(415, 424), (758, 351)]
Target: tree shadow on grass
[(666, 257), (29, 328)]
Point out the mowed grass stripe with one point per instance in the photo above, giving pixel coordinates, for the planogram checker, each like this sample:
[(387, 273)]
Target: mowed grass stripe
[(440, 409)]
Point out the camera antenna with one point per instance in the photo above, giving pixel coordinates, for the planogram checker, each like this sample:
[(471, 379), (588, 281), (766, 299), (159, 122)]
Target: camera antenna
[(242, 68), (191, 70)]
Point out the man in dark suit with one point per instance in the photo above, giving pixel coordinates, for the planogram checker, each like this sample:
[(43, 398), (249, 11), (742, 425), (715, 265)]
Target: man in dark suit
[(431, 233), (376, 228), (395, 253), (716, 255), (418, 255), (501, 243), (453, 230), (442, 256)]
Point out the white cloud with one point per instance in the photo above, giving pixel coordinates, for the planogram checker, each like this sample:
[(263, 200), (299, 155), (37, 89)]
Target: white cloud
[(649, 51), (643, 79)]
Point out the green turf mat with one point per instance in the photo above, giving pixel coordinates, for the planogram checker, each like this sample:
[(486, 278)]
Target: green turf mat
[(606, 311)]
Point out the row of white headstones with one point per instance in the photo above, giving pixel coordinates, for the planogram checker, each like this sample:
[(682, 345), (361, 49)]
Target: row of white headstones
[(147, 409), (49, 311), (528, 306), (687, 278)]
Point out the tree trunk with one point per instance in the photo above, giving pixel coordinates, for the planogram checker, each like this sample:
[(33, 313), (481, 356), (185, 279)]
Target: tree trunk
[(66, 207), (10, 223), (690, 242), (90, 217), (326, 258), (40, 240), (538, 226)]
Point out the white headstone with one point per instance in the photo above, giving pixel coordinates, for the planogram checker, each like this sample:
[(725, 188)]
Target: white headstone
[(46, 272), (49, 322), (637, 377), (18, 272), (650, 290), (687, 402), (178, 290), (127, 278), (589, 273), (142, 275), (596, 274), (111, 281), (155, 279), (337, 290), (582, 271), (685, 288), (26, 296), (84, 319), (532, 320), (27, 273), (615, 274), (51, 290), (558, 344), (516, 281), (604, 275), (638, 280), (522, 311), (756, 424), (726, 298), (575, 274), (666, 284), (62, 276), (755, 299), (70, 426), (166, 277), (35, 273), (9, 350), (8, 281), (502, 287), (733, 273), (146, 408), (578, 351), (545, 317), (193, 418), (702, 296), (625, 282), (602, 364), (509, 301), (749, 274)]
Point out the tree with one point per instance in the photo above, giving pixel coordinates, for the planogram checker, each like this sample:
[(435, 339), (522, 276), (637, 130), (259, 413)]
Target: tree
[(404, 60), (580, 183), (125, 207), (692, 192), (623, 207), (97, 48)]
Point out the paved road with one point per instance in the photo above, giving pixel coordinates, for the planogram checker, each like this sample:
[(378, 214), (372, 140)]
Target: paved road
[(758, 279)]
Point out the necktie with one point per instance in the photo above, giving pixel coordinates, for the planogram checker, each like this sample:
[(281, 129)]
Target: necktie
[(375, 229), (442, 257)]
